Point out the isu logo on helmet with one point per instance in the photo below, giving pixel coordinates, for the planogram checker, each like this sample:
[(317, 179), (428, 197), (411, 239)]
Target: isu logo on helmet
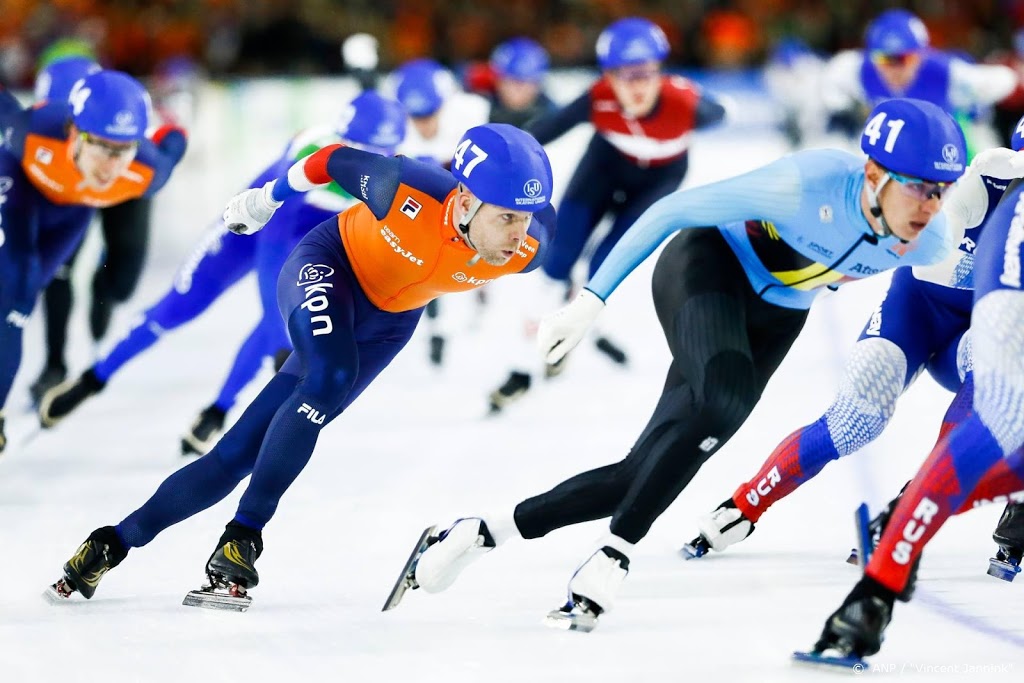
[(124, 124), (533, 188), (311, 273)]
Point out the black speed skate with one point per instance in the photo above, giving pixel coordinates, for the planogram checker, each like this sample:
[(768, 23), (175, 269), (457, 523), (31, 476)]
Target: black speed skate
[(855, 630), (61, 400), (437, 344), (517, 384), (100, 553), (1009, 536), (231, 571), (51, 376), (203, 433), (612, 350)]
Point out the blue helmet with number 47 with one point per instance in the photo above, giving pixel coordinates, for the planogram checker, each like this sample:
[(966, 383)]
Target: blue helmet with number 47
[(503, 165), (915, 138)]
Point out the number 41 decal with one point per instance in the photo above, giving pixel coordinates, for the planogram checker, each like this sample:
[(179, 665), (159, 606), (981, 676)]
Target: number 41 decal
[(873, 130)]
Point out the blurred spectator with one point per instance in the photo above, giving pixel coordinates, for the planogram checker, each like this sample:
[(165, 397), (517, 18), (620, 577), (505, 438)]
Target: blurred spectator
[(305, 36), (1009, 110)]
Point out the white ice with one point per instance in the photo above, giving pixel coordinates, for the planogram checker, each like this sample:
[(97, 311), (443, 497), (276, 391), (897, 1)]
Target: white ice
[(417, 449)]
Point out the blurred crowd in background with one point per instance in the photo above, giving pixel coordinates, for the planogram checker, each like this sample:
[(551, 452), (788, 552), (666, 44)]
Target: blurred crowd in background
[(264, 37)]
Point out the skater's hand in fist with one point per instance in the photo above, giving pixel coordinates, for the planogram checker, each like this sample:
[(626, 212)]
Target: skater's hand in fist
[(999, 162), (249, 211), (560, 331)]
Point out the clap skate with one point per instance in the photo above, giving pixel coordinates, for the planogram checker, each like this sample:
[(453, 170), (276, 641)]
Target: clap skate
[(592, 591), (514, 388), (407, 579), (100, 553), (61, 400), (1009, 536), (203, 433), (855, 630), (436, 561), (719, 529), (230, 571)]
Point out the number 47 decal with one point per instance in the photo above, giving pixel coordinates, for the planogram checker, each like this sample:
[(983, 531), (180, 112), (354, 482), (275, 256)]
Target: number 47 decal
[(460, 156)]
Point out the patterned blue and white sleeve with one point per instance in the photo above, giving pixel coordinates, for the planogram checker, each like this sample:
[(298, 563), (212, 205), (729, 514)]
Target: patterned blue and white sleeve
[(772, 192)]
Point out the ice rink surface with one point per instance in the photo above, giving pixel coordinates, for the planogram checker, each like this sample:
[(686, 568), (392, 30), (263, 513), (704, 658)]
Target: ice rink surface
[(417, 449)]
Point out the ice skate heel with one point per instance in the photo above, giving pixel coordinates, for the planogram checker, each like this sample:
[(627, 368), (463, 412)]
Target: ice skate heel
[(59, 592), (230, 571), (578, 614), (1009, 536), (219, 596), (592, 591), (1006, 564), (100, 553), (695, 549), (719, 529), (407, 579)]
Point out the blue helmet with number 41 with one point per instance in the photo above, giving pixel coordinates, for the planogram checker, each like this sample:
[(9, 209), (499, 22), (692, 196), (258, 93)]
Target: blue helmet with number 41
[(503, 165), (915, 138)]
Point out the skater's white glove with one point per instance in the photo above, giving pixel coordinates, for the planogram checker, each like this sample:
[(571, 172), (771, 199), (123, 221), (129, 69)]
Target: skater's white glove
[(560, 331), (999, 162), (249, 211)]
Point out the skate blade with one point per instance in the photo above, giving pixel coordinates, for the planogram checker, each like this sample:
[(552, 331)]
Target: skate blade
[(694, 550), (584, 622), (862, 522), (55, 595), (210, 598), (832, 662), (405, 579), (1002, 570)]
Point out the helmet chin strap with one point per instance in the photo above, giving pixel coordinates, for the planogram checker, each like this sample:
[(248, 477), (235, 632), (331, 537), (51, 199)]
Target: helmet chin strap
[(464, 222), (876, 210)]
